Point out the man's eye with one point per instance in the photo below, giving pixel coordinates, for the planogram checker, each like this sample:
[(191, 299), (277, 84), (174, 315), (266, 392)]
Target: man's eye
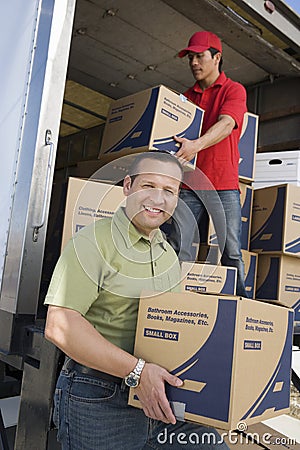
[(169, 192)]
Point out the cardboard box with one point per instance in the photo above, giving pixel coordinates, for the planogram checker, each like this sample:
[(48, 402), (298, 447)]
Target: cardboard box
[(233, 354), (278, 167), (250, 264), (148, 120), (88, 201), (247, 147), (208, 278), (278, 278), (276, 220), (209, 254), (246, 206)]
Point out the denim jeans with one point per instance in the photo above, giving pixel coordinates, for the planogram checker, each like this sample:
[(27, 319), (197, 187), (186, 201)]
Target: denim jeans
[(224, 207), (93, 414)]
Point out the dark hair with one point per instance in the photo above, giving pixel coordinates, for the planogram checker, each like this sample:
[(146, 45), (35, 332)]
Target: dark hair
[(213, 52), (161, 156)]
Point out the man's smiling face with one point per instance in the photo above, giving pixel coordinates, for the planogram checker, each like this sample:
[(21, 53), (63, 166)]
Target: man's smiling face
[(152, 194)]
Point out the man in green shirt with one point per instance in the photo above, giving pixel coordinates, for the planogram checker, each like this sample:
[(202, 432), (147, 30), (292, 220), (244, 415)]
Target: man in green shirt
[(93, 302)]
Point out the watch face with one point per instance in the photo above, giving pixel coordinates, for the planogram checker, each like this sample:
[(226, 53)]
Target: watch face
[(132, 381)]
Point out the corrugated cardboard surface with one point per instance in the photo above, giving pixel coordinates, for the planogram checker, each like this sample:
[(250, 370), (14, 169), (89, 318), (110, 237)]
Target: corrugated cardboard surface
[(278, 278), (247, 147), (276, 220), (88, 201), (250, 264), (148, 120), (208, 278), (233, 354)]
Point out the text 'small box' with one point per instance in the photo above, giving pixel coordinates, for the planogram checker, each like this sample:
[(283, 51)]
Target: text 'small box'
[(276, 220), (88, 201), (233, 354), (246, 199), (208, 278), (278, 278), (148, 120)]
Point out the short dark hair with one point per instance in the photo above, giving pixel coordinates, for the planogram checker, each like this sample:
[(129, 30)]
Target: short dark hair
[(213, 52), (161, 156)]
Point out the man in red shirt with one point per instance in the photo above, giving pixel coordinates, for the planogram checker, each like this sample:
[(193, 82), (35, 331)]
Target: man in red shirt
[(214, 185)]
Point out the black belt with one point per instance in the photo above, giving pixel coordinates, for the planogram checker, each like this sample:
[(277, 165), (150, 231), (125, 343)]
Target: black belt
[(70, 364)]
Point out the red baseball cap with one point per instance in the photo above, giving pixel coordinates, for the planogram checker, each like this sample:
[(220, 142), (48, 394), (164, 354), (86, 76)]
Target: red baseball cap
[(201, 41)]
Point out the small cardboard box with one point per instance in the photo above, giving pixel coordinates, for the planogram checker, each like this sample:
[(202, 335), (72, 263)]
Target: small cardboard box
[(278, 278), (276, 220), (88, 201), (208, 278), (233, 354), (250, 263), (246, 206), (148, 120), (247, 147)]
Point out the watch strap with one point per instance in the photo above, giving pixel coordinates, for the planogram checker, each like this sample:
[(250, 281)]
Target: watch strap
[(139, 367)]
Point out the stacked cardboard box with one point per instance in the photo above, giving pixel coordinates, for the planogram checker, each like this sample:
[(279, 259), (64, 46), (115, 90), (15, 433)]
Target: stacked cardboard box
[(275, 236), (88, 201), (247, 149)]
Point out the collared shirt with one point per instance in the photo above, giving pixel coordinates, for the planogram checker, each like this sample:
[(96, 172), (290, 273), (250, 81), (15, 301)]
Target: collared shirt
[(219, 163), (103, 270)]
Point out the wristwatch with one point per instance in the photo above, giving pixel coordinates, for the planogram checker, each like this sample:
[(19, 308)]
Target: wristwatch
[(133, 379)]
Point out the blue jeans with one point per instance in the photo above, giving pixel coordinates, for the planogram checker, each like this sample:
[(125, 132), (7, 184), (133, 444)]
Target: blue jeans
[(93, 414), (224, 208)]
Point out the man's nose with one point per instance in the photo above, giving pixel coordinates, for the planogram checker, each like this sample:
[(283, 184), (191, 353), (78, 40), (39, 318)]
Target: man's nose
[(158, 196), (193, 60)]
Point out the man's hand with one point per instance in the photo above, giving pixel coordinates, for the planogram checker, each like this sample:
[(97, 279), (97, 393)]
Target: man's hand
[(216, 133), (151, 392), (188, 149)]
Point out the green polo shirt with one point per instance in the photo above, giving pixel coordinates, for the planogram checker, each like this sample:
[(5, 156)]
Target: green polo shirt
[(103, 270)]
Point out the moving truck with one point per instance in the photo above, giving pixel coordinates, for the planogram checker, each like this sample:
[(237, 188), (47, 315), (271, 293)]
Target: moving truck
[(62, 64)]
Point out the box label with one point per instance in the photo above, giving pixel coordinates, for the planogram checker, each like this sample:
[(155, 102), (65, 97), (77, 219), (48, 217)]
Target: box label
[(252, 345), (161, 334)]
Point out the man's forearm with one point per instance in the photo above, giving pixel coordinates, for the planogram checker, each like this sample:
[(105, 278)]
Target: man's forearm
[(76, 337), (215, 134)]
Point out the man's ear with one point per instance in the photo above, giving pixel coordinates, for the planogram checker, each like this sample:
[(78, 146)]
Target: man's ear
[(218, 57), (127, 185)]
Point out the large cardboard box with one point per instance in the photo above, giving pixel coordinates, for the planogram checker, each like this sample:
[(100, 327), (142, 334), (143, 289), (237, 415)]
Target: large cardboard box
[(208, 278), (246, 206), (278, 278), (233, 354), (276, 220), (88, 201), (250, 264), (247, 147), (148, 120)]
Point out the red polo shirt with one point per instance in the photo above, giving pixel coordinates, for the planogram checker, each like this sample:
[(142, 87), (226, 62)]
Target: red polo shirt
[(220, 161)]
